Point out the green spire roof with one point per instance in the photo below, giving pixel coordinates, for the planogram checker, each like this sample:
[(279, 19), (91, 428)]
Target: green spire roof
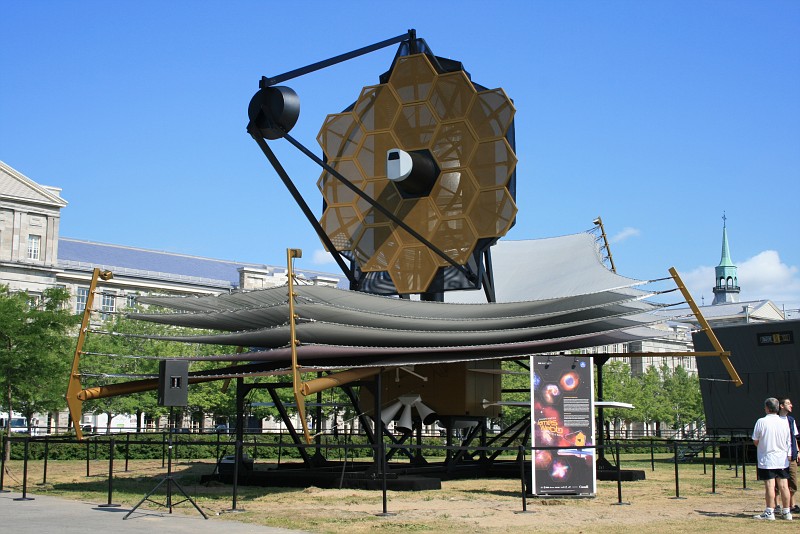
[(725, 261)]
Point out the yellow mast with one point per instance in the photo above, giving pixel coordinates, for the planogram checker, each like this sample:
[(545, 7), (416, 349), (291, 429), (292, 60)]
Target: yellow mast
[(74, 387)]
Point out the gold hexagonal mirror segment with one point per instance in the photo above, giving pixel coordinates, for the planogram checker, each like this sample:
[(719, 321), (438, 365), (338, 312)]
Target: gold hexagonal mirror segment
[(385, 194), (342, 225), (493, 213), (376, 108), (412, 78), (456, 238), (414, 126), (339, 135), (453, 193), (452, 145), (491, 114), (452, 95), (413, 269), (371, 155), (372, 239), (333, 190), (492, 163)]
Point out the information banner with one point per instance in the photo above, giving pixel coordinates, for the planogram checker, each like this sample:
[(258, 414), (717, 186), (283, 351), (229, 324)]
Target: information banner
[(562, 415)]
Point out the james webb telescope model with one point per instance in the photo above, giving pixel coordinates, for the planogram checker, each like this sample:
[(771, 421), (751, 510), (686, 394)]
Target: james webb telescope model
[(418, 184)]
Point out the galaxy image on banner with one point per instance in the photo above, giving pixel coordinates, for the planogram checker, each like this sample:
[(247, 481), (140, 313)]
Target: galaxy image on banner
[(562, 412)]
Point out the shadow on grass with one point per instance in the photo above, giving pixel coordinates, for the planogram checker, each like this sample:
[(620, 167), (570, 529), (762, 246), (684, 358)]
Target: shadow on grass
[(497, 493), (140, 482), (724, 514)]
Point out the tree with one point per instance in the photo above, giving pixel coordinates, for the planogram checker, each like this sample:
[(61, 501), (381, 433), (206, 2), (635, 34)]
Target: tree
[(618, 385), (34, 350), (683, 393)]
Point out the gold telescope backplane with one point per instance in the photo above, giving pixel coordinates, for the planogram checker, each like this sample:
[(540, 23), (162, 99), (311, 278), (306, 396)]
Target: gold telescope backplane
[(433, 149)]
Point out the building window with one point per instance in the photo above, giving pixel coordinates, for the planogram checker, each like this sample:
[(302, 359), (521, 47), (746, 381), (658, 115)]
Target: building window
[(130, 300), (81, 298), (108, 306), (34, 247), (34, 300)]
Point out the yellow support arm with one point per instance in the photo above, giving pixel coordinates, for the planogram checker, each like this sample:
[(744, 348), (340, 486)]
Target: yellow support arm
[(705, 327), (74, 403)]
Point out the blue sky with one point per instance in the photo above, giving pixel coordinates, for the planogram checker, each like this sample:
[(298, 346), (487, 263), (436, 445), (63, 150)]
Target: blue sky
[(658, 116)]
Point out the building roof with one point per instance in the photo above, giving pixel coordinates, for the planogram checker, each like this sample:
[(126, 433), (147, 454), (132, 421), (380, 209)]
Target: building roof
[(16, 186), (74, 252)]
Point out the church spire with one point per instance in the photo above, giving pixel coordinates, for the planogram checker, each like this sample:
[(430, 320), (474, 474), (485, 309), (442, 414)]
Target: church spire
[(726, 287)]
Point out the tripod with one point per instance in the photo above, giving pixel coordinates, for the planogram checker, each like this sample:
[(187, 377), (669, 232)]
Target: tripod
[(170, 481)]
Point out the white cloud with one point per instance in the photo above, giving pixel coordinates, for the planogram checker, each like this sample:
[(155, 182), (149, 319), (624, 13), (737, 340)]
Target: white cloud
[(624, 234), (763, 276), (322, 257)]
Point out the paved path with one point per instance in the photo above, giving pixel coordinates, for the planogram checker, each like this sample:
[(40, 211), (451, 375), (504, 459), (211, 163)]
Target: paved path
[(62, 516)]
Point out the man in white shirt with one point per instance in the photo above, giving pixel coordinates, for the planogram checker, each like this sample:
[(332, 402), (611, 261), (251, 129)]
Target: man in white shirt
[(772, 440)]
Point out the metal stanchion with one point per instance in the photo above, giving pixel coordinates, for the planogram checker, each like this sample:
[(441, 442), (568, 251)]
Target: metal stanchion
[(704, 458), (3, 441), (677, 484), (46, 453), (87, 458), (127, 449), (713, 467), (521, 455), (237, 456), (108, 503), (736, 452), (652, 457), (25, 475), (619, 479)]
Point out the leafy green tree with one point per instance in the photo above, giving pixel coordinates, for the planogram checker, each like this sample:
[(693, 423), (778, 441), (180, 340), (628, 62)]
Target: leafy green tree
[(618, 385), (683, 393), (35, 349)]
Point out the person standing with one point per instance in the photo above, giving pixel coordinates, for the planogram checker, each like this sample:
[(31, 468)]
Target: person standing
[(772, 440), (794, 457)]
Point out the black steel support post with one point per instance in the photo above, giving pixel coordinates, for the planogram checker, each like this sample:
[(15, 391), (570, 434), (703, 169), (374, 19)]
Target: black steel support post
[(602, 462), (87, 458), (713, 467), (237, 455), (619, 479), (109, 503), (380, 448), (25, 474), (704, 457), (4, 441), (241, 392), (46, 454), (677, 485), (169, 460), (521, 456), (127, 449), (652, 456)]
